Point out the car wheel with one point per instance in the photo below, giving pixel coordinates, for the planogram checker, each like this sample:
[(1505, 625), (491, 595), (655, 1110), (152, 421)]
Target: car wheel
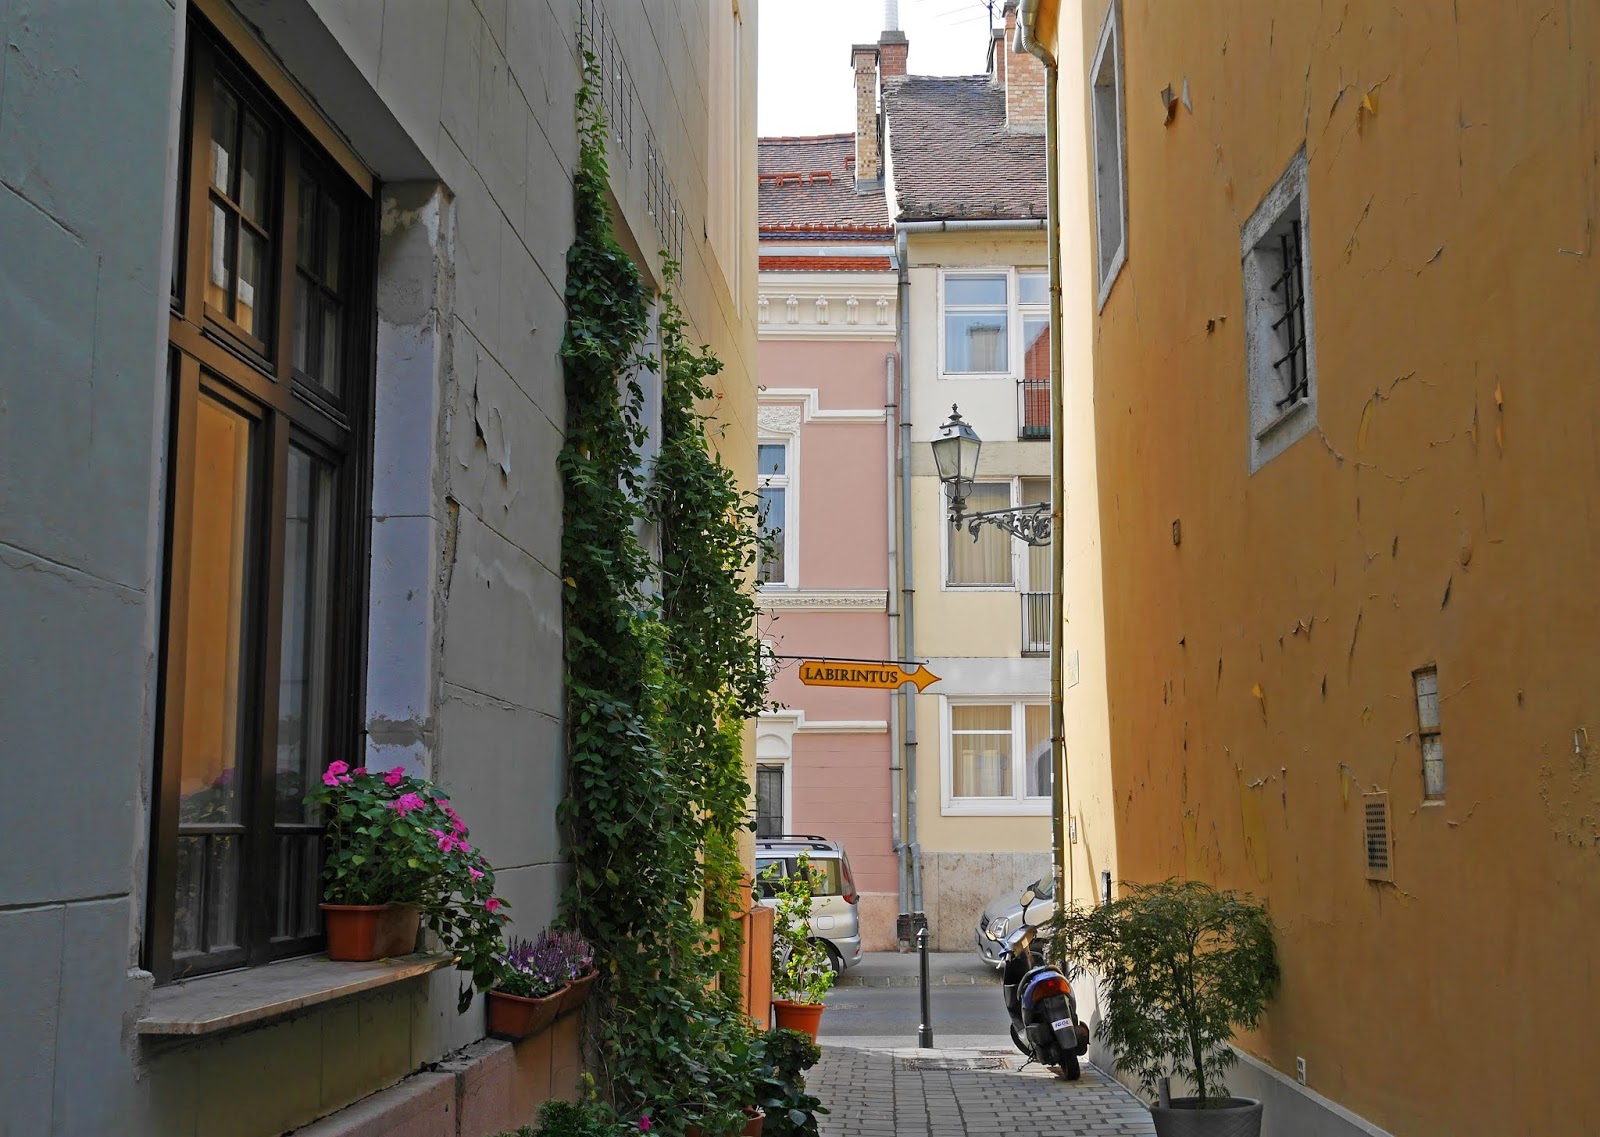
[(835, 960)]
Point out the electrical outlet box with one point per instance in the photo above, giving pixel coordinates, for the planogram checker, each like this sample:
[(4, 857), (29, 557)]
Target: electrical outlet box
[(1300, 1070)]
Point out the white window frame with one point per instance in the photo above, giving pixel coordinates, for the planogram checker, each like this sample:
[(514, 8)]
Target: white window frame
[(790, 484), (1019, 564), (775, 731), (1015, 311), (1108, 54), (1272, 431), (1018, 805)]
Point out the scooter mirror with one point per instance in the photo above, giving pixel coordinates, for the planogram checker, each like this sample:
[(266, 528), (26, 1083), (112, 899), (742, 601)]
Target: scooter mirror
[(990, 933), (1027, 897)]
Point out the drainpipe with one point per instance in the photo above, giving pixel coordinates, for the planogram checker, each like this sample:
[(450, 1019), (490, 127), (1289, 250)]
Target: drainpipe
[(896, 769), (1060, 788), (901, 228), (912, 856)]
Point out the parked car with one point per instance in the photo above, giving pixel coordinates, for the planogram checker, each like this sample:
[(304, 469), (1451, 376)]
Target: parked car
[(1004, 915), (834, 919)]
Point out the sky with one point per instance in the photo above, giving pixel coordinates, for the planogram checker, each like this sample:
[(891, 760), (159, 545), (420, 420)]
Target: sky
[(804, 78)]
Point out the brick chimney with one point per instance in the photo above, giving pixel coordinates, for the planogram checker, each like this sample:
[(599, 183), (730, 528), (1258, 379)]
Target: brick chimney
[(1024, 80), (893, 47), (869, 146)]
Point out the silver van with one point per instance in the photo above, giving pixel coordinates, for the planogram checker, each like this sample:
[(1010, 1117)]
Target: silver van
[(834, 920)]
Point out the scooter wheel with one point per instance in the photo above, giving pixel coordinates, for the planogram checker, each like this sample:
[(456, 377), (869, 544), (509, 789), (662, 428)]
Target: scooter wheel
[(1017, 1041), (1068, 1069)]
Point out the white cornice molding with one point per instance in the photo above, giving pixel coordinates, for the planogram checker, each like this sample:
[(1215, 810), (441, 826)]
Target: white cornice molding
[(792, 720), (824, 599), (814, 305), (775, 399)]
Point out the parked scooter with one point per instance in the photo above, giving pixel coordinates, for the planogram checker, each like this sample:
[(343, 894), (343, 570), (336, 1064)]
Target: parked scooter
[(1043, 1010)]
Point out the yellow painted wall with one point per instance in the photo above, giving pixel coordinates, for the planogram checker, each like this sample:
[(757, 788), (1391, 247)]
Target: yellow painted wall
[(1442, 512)]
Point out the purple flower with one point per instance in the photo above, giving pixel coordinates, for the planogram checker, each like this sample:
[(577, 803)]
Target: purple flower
[(644, 1123)]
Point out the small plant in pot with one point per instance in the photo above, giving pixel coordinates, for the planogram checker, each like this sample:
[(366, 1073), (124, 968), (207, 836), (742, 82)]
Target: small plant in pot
[(397, 857), (538, 981), (801, 974), (720, 1087), (1182, 967)]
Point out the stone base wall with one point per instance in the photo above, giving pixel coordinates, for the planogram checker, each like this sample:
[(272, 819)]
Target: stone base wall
[(956, 886), (491, 1087)]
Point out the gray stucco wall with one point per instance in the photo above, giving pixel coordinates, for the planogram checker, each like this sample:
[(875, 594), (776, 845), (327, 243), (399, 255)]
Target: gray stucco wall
[(464, 111), (81, 404)]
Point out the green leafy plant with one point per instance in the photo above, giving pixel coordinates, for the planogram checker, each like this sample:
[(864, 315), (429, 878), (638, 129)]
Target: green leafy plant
[(1182, 966), (781, 1086), (663, 670), (395, 839), (801, 973)]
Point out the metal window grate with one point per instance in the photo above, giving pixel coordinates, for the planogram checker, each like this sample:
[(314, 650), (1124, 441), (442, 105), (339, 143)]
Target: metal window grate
[(1379, 839), (1035, 623), (1291, 326), (1035, 394)]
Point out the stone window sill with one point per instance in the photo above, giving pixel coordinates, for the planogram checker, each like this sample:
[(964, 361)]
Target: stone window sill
[(213, 1003)]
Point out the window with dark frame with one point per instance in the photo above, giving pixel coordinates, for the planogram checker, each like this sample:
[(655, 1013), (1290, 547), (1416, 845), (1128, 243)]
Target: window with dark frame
[(270, 371)]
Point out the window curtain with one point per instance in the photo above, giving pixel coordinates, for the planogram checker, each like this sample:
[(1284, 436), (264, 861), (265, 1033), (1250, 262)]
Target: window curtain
[(988, 559), (980, 751), (1040, 766)]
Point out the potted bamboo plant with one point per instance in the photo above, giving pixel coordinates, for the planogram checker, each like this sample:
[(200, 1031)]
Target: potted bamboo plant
[(801, 974), (1182, 966), (398, 857)]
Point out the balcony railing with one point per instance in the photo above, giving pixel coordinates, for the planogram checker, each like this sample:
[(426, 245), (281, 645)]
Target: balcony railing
[(1035, 623), (1033, 420)]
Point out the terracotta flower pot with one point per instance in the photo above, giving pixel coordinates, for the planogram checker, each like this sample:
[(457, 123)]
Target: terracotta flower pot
[(513, 1017), (360, 933), (574, 994), (803, 1017)]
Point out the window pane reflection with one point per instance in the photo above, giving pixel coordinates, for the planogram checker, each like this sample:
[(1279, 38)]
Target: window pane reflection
[(215, 606), (251, 310), (224, 132), (304, 663)]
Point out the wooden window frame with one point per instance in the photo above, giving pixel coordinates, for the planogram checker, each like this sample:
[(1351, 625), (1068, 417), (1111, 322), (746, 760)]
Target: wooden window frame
[(257, 376)]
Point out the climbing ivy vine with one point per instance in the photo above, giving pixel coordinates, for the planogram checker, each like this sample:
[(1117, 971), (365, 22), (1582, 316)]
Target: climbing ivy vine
[(663, 670)]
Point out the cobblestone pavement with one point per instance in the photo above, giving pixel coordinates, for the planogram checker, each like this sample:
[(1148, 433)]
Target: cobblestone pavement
[(965, 1093)]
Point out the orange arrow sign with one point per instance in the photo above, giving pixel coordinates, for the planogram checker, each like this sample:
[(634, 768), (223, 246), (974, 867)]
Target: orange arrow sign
[(873, 676)]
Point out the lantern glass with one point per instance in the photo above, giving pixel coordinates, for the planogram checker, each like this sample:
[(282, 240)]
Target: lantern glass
[(955, 454)]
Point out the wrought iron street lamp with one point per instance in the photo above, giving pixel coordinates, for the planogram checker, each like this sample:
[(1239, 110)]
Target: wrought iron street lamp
[(955, 454)]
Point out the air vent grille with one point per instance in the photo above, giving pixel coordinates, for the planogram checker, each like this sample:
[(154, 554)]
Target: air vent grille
[(1380, 845)]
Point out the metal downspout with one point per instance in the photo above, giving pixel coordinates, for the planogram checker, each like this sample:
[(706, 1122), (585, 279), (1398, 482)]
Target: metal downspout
[(908, 624), (1060, 787), (891, 513)]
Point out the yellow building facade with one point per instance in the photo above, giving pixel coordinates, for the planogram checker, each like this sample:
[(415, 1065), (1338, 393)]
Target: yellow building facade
[(1339, 284)]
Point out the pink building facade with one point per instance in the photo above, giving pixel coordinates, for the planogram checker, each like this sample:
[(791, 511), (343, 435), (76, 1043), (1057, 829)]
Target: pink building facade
[(827, 324)]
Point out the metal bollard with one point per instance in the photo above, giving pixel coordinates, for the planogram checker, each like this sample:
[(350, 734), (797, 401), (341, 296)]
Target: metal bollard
[(925, 1031)]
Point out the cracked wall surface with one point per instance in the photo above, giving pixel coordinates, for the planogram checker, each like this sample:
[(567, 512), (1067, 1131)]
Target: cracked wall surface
[(1441, 511)]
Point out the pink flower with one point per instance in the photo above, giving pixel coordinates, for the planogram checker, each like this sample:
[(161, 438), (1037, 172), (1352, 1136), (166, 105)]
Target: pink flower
[(359, 772), (493, 904), (338, 767), (644, 1123), (446, 842), (457, 828), (475, 874), (330, 778), (393, 776), (405, 803)]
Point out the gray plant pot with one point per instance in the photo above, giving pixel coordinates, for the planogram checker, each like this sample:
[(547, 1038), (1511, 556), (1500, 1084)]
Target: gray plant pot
[(1238, 1117)]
